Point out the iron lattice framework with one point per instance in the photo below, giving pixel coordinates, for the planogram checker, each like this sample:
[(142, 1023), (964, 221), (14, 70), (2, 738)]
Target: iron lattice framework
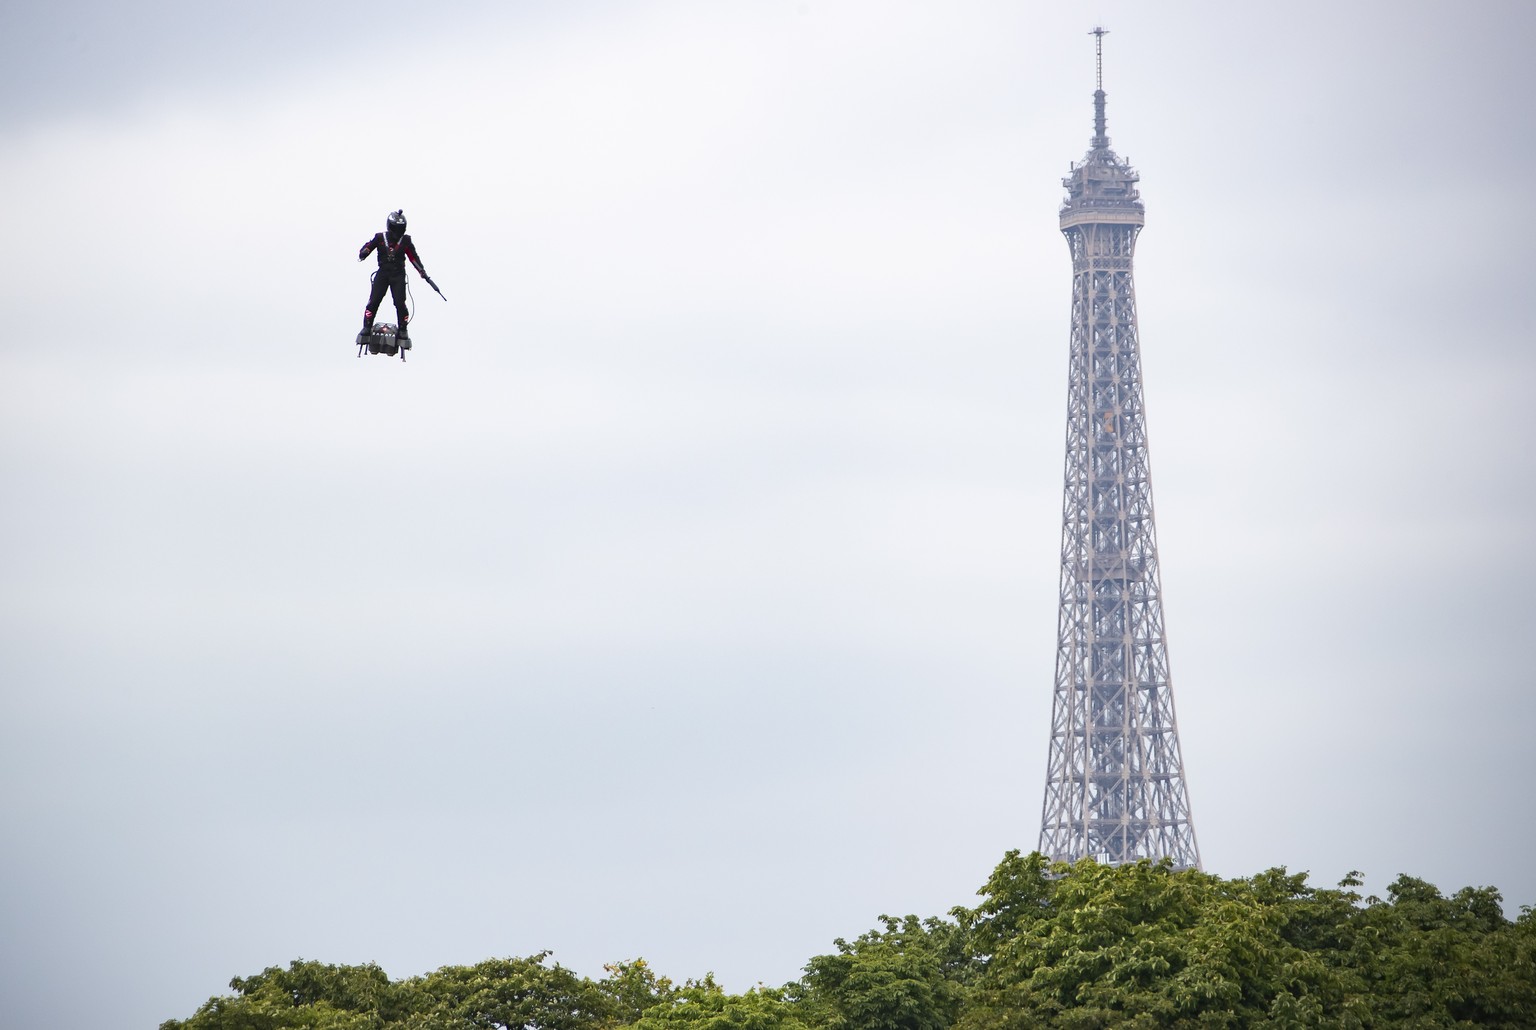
[(1115, 787)]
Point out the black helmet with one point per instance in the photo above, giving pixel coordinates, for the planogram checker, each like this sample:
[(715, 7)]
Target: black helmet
[(394, 226)]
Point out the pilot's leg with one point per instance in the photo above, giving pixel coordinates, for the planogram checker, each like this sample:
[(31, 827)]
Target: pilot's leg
[(375, 295), (397, 294)]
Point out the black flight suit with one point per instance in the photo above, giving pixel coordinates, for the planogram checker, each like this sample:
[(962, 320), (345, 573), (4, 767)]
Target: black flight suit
[(390, 276)]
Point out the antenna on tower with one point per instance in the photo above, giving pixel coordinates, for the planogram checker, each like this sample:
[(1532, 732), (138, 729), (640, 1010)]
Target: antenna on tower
[(1098, 32), (1100, 139)]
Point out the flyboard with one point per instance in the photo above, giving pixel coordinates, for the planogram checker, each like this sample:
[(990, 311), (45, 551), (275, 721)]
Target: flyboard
[(383, 338)]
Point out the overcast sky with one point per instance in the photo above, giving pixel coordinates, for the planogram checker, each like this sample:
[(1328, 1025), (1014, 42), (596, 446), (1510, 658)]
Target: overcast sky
[(690, 593)]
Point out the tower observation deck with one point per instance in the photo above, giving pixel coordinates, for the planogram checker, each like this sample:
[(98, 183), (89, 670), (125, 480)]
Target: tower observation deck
[(1115, 788)]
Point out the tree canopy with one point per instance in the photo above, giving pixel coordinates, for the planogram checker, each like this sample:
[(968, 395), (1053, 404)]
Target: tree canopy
[(1081, 946)]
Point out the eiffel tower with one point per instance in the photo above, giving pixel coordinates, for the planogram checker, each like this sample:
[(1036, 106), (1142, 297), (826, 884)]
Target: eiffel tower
[(1115, 788)]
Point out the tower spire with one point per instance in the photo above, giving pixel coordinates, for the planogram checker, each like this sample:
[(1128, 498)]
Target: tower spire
[(1100, 139)]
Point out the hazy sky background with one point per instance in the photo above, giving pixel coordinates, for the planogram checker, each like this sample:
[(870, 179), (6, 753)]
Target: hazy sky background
[(691, 592)]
